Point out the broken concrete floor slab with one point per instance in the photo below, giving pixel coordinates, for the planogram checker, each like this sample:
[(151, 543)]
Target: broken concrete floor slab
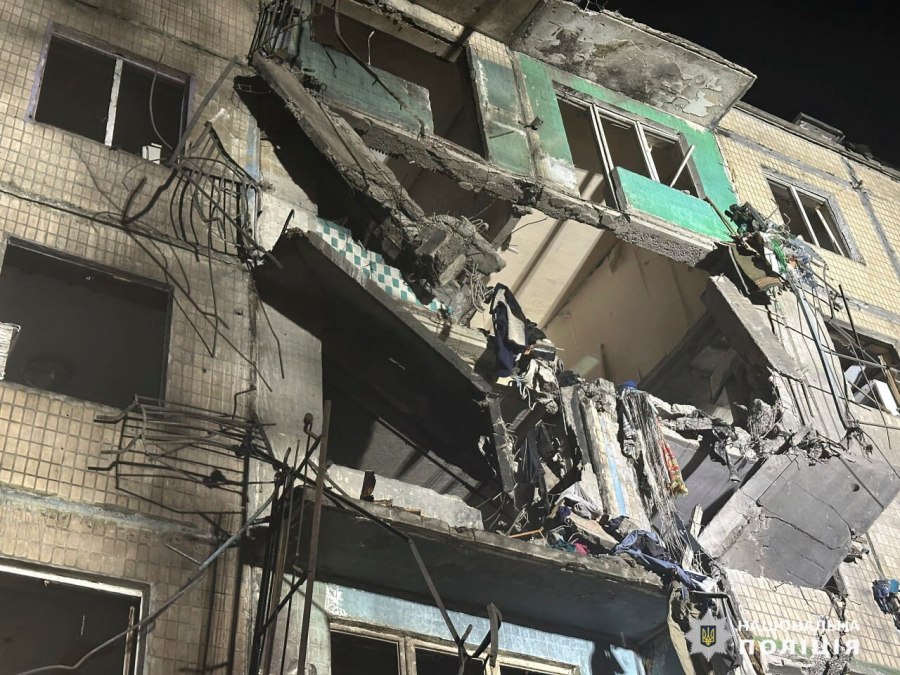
[(794, 522)]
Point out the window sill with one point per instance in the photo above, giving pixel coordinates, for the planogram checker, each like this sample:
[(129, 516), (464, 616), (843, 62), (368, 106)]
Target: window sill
[(73, 138), (98, 408)]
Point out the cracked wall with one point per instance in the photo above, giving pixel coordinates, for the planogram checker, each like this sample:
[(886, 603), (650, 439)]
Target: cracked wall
[(646, 65)]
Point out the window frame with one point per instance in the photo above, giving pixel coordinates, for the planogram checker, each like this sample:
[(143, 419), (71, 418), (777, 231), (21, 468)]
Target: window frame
[(92, 582), (407, 643), (841, 239), (6, 241), (868, 340), (640, 126), (120, 56)]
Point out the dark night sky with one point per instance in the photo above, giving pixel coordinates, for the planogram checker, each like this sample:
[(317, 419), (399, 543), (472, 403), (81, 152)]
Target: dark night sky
[(836, 61)]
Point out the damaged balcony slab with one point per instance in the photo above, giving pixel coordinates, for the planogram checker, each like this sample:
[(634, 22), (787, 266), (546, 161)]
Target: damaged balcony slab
[(431, 250), (330, 289), (746, 329), (532, 585), (473, 173), (792, 521), (375, 342), (650, 66)]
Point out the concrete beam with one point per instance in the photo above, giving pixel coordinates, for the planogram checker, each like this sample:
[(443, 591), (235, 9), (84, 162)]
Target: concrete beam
[(532, 584), (745, 327)]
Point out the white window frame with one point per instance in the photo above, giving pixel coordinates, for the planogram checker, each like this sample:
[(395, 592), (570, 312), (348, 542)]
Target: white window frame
[(640, 129), (840, 244), (102, 586), (407, 645), (889, 379), (120, 57)]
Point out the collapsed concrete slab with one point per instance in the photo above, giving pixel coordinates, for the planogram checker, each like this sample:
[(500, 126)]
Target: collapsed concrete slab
[(794, 522)]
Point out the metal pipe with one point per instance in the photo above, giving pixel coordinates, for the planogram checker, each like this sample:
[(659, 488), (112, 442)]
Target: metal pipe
[(314, 540), (683, 164), (814, 331)]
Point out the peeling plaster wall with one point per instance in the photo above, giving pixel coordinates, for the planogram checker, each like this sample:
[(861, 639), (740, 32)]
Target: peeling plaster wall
[(634, 297), (645, 65)]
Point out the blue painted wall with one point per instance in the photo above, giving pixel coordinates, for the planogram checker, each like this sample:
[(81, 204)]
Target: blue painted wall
[(592, 658)]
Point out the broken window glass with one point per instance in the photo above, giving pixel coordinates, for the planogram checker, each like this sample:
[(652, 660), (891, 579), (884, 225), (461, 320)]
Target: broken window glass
[(85, 332), (594, 182), (871, 369), (624, 145), (358, 655), (110, 99), (600, 141), (442, 663), (670, 162), (67, 620), (808, 217)]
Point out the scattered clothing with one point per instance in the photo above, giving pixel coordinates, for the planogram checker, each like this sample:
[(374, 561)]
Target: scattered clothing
[(648, 549), (579, 502), (513, 332), (885, 593)]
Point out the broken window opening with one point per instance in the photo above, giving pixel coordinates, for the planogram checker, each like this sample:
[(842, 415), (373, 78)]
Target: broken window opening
[(871, 370), (380, 652), (436, 662), (355, 654), (71, 616), (117, 101), (86, 332), (448, 81), (599, 332), (808, 217), (601, 140)]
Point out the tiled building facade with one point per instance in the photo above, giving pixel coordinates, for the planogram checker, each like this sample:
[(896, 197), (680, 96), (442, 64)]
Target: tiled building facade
[(236, 340)]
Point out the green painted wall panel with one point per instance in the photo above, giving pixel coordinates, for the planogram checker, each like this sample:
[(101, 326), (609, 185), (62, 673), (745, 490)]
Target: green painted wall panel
[(707, 157), (656, 199), (348, 83), (542, 96), (497, 96)]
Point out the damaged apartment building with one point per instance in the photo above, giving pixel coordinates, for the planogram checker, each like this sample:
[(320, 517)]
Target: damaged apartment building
[(398, 337)]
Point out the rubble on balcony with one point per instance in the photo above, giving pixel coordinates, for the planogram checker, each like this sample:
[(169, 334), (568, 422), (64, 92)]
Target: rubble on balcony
[(439, 255), (794, 519)]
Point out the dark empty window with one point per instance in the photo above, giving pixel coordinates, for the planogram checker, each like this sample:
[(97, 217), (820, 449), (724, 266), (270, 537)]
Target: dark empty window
[(358, 655), (84, 332), (808, 217), (48, 621), (103, 96), (601, 141), (429, 662)]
